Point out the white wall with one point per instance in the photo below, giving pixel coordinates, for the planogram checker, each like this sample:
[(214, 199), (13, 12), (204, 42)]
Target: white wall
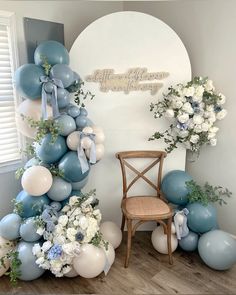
[(207, 29)]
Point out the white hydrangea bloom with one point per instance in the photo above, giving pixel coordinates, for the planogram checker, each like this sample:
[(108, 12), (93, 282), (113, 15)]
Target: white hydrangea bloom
[(73, 200), (46, 246), (198, 119), (213, 141), (183, 118), (187, 108), (221, 114), (63, 219), (36, 250), (209, 85), (188, 91), (169, 113), (194, 138), (222, 99)]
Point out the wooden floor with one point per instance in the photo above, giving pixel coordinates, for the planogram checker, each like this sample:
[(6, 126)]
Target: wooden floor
[(148, 273)]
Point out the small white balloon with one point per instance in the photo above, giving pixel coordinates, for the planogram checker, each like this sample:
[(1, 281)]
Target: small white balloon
[(112, 233), (73, 140), (100, 150), (90, 262), (86, 143), (88, 130), (37, 180), (72, 273), (159, 241), (99, 134)]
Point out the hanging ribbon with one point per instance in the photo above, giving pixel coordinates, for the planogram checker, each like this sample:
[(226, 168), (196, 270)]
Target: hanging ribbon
[(56, 84), (181, 227), (81, 154)]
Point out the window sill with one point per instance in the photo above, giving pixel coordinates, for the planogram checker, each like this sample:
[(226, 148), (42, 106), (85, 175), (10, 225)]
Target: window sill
[(10, 166)]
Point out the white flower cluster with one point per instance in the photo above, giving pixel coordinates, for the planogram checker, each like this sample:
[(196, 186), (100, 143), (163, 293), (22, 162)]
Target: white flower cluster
[(193, 109), (77, 223)]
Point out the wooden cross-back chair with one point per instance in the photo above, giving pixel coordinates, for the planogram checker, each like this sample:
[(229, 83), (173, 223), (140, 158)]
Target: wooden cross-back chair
[(144, 208)]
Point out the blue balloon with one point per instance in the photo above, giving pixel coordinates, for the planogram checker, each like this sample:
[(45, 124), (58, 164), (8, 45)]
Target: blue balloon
[(174, 188), (76, 76), (10, 226), (217, 249), (28, 230), (190, 242), (48, 87), (66, 124), (53, 51), (83, 112), (201, 218), (71, 168), (31, 162), (80, 184), (73, 111), (56, 206), (81, 122), (29, 270), (60, 189), (27, 81), (62, 72), (63, 98), (51, 152), (31, 205)]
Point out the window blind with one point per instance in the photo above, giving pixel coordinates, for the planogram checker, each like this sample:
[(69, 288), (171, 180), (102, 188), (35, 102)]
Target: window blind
[(9, 137)]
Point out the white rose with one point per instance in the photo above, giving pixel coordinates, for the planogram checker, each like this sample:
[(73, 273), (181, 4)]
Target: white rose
[(58, 229), (183, 118), (211, 135), (212, 117), (221, 114), (194, 138), (63, 219), (187, 108), (213, 141), (210, 108), (40, 231), (83, 222), (36, 250), (209, 85), (46, 246), (222, 99), (59, 240), (183, 133), (198, 128), (40, 260), (197, 98), (205, 126), (73, 200), (66, 208), (176, 103), (56, 265), (197, 119), (188, 91), (169, 113), (214, 129), (76, 223), (70, 233)]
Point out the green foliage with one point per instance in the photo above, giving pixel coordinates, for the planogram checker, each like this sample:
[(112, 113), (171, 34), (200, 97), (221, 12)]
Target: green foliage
[(98, 241), (29, 150), (38, 221), (46, 66), (206, 194), (81, 95), (55, 171), (14, 272), (19, 172), (18, 207)]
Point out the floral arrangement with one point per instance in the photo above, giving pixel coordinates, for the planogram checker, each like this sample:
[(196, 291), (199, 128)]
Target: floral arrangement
[(64, 232), (193, 109)]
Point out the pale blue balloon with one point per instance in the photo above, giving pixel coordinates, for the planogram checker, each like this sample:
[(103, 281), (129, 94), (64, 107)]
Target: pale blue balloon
[(190, 242), (28, 230), (73, 111), (48, 87), (83, 112), (66, 124), (62, 72), (217, 249), (63, 98), (29, 270), (53, 51), (31, 162), (10, 226), (27, 81), (80, 184), (81, 122), (77, 78), (60, 189)]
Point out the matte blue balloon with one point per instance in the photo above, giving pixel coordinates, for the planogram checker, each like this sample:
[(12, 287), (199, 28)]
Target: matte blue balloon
[(80, 184), (76, 76), (174, 188), (53, 51), (83, 112), (28, 230), (27, 81), (217, 249), (63, 98), (81, 122), (31, 162), (51, 152), (201, 218), (10, 226), (48, 87), (60, 189), (73, 111), (71, 168), (56, 206), (190, 242), (29, 270), (62, 72), (66, 124), (31, 205)]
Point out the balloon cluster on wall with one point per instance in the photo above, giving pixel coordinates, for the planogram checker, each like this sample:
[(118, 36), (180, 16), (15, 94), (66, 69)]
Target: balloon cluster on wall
[(63, 155), (216, 247)]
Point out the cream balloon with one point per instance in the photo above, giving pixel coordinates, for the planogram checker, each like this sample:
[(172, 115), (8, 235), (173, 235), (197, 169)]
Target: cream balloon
[(112, 233), (88, 130), (86, 143), (5, 247), (100, 150), (36, 180), (73, 140), (99, 134), (29, 109), (90, 262), (71, 274), (159, 241)]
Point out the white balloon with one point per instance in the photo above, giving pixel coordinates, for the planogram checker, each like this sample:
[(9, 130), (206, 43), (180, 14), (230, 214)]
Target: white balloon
[(90, 262), (88, 130), (112, 233), (86, 143), (71, 274), (159, 241), (5, 247), (73, 140), (30, 109), (36, 180), (99, 134), (173, 229), (110, 253), (100, 150)]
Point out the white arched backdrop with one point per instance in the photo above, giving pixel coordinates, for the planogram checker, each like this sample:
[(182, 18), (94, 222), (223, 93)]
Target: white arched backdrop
[(122, 41)]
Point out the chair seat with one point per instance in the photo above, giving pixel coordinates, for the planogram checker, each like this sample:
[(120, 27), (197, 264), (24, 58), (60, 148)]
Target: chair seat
[(145, 207)]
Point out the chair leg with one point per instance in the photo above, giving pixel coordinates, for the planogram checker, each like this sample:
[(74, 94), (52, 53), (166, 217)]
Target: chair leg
[(129, 238), (169, 240), (122, 223)]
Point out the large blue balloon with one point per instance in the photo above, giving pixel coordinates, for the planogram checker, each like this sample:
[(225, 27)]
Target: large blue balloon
[(80, 184), (10, 226), (53, 51), (27, 81), (201, 218), (174, 188), (31, 205), (81, 122), (217, 249), (28, 230), (29, 270), (60, 189), (51, 152), (62, 72), (73, 111), (71, 168), (66, 124), (190, 242)]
